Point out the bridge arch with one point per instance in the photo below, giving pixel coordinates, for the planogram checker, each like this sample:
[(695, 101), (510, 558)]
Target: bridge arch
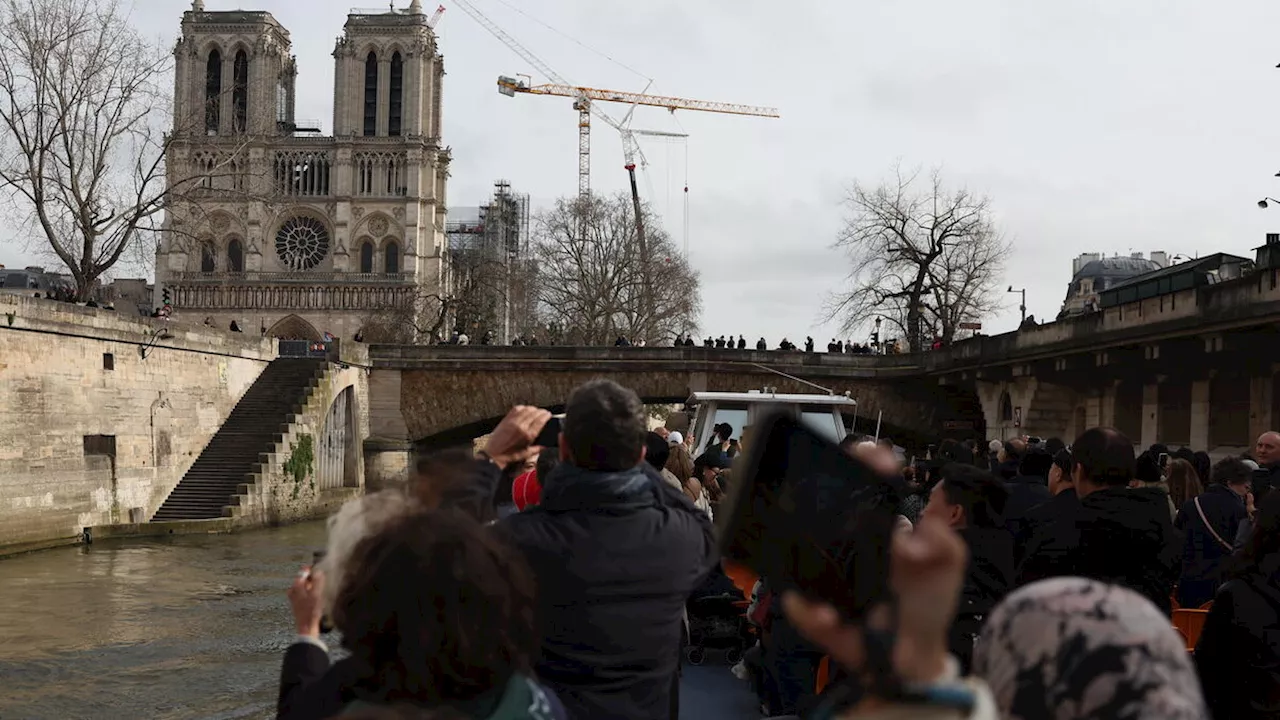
[(337, 447)]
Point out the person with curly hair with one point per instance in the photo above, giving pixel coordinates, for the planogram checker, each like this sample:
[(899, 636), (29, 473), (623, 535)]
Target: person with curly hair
[(457, 641)]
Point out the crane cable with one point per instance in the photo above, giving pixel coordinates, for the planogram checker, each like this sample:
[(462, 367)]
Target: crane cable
[(576, 41)]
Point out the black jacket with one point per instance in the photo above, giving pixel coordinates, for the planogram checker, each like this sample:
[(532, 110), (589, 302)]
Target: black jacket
[(1203, 556), (1006, 470), (1238, 655), (1064, 504), (988, 578), (615, 555), (1115, 535), (1025, 493)]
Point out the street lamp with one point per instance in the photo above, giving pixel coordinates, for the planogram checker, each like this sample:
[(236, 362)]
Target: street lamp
[(876, 338), (1263, 202), (1023, 306)]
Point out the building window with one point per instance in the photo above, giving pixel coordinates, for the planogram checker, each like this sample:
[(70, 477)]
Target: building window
[(240, 93), (366, 257), (108, 361), (397, 95), (302, 243), (282, 103), (302, 173), (104, 445), (371, 95), (208, 258), (381, 174), (1006, 408), (235, 256), (391, 258), (213, 93)]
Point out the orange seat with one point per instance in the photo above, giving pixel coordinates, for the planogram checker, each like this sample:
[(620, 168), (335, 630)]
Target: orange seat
[(1190, 623), (824, 674), (743, 577), (1173, 601), (1207, 606), (1185, 643)]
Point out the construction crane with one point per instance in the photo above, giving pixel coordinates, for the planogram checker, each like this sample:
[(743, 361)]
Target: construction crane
[(584, 99), (435, 18)]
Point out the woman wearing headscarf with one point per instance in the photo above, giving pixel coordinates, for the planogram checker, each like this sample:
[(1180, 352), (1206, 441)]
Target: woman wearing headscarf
[(1071, 648)]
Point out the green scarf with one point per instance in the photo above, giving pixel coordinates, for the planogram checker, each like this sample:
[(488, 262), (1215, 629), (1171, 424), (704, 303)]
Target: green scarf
[(521, 699)]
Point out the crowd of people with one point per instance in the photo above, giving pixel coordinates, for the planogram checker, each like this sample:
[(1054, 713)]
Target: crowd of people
[(1027, 580)]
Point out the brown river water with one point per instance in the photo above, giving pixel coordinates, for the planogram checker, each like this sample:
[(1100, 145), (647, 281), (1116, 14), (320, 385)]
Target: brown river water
[(182, 627)]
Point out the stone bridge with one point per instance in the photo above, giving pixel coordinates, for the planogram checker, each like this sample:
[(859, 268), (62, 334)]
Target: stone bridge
[(1192, 367), (442, 395)]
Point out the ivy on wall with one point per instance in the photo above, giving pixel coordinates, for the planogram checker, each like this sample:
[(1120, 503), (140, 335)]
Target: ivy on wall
[(301, 462)]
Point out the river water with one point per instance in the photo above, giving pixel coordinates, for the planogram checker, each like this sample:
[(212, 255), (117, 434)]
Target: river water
[(181, 627)]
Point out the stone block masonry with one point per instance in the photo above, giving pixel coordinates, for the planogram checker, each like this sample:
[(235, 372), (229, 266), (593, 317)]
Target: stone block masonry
[(91, 431)]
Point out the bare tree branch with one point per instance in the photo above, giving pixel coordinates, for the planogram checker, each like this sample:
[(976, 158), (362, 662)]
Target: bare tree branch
[(84, 151), (594, 290), (925, 259)]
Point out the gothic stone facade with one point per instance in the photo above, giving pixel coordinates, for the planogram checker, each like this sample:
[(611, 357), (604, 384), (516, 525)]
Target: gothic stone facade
[(288, 231)]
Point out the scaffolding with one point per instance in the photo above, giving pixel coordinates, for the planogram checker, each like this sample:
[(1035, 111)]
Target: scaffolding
[(489, 262)]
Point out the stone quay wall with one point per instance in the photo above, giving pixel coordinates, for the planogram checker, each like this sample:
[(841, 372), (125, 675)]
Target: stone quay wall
[(100, 416)]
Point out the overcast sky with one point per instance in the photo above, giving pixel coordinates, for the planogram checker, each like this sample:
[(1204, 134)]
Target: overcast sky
[(1094, 125)]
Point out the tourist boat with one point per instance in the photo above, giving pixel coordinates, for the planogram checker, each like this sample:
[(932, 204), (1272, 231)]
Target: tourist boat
[(824, 414)]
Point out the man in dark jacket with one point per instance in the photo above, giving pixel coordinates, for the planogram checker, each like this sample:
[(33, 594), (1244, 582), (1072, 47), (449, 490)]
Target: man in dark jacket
[(1029, 488), (1064, 503), (1117, 535), (970, 500), (1267, 454), (616, 553), (1209, 523), (1009, 458)]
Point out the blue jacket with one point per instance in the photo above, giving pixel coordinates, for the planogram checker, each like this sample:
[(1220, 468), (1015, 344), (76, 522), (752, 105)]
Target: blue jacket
[(1203, 556)]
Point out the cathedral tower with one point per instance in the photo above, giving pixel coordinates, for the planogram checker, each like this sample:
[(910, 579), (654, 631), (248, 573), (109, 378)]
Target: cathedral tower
[(279, 227)]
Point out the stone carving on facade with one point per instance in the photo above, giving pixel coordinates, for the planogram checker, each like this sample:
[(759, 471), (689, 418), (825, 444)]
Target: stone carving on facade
[(399, 213), (331, 208), (378, 225), (220, 221), (357, 212)]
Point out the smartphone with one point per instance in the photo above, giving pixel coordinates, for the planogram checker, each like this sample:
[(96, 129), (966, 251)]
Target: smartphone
[(550, 434), (808, 517), (1164, 460), (326, 625)]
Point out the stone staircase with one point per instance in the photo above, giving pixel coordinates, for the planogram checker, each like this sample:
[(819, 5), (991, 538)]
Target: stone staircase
[(254, 428)]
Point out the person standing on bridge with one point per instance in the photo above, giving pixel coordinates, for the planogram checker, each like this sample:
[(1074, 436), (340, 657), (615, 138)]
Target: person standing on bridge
[(615, 551)]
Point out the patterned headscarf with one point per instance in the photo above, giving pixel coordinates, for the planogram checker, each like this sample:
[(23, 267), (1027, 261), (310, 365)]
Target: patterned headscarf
[(1071, 648)]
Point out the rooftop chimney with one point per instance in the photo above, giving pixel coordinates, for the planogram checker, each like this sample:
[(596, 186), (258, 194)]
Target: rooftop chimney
[(1273, 238)]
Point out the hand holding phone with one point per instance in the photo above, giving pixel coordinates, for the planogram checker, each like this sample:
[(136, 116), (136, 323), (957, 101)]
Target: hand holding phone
[(808, 517)]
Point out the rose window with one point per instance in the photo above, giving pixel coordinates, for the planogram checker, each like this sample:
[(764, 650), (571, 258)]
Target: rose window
[(302, 243)]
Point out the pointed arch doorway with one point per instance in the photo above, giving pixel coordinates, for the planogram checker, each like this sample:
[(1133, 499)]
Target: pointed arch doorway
[(294, 328)]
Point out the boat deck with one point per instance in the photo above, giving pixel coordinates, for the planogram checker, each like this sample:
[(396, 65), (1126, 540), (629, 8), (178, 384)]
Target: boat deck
[(711, 692)]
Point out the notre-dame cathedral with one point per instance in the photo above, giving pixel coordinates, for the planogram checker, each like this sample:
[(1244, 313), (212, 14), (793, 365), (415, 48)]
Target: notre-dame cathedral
[(277, 227)]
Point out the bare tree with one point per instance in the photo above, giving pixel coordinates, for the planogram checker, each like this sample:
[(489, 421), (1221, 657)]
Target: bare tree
[(594, 290), (83, 143), (924, 257), (477, 288)]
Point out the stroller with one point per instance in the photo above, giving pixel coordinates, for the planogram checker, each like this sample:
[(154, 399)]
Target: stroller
[(717, 621)]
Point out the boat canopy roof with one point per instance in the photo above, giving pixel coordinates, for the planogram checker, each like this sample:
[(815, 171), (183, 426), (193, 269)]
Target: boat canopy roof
[(756, 396)]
